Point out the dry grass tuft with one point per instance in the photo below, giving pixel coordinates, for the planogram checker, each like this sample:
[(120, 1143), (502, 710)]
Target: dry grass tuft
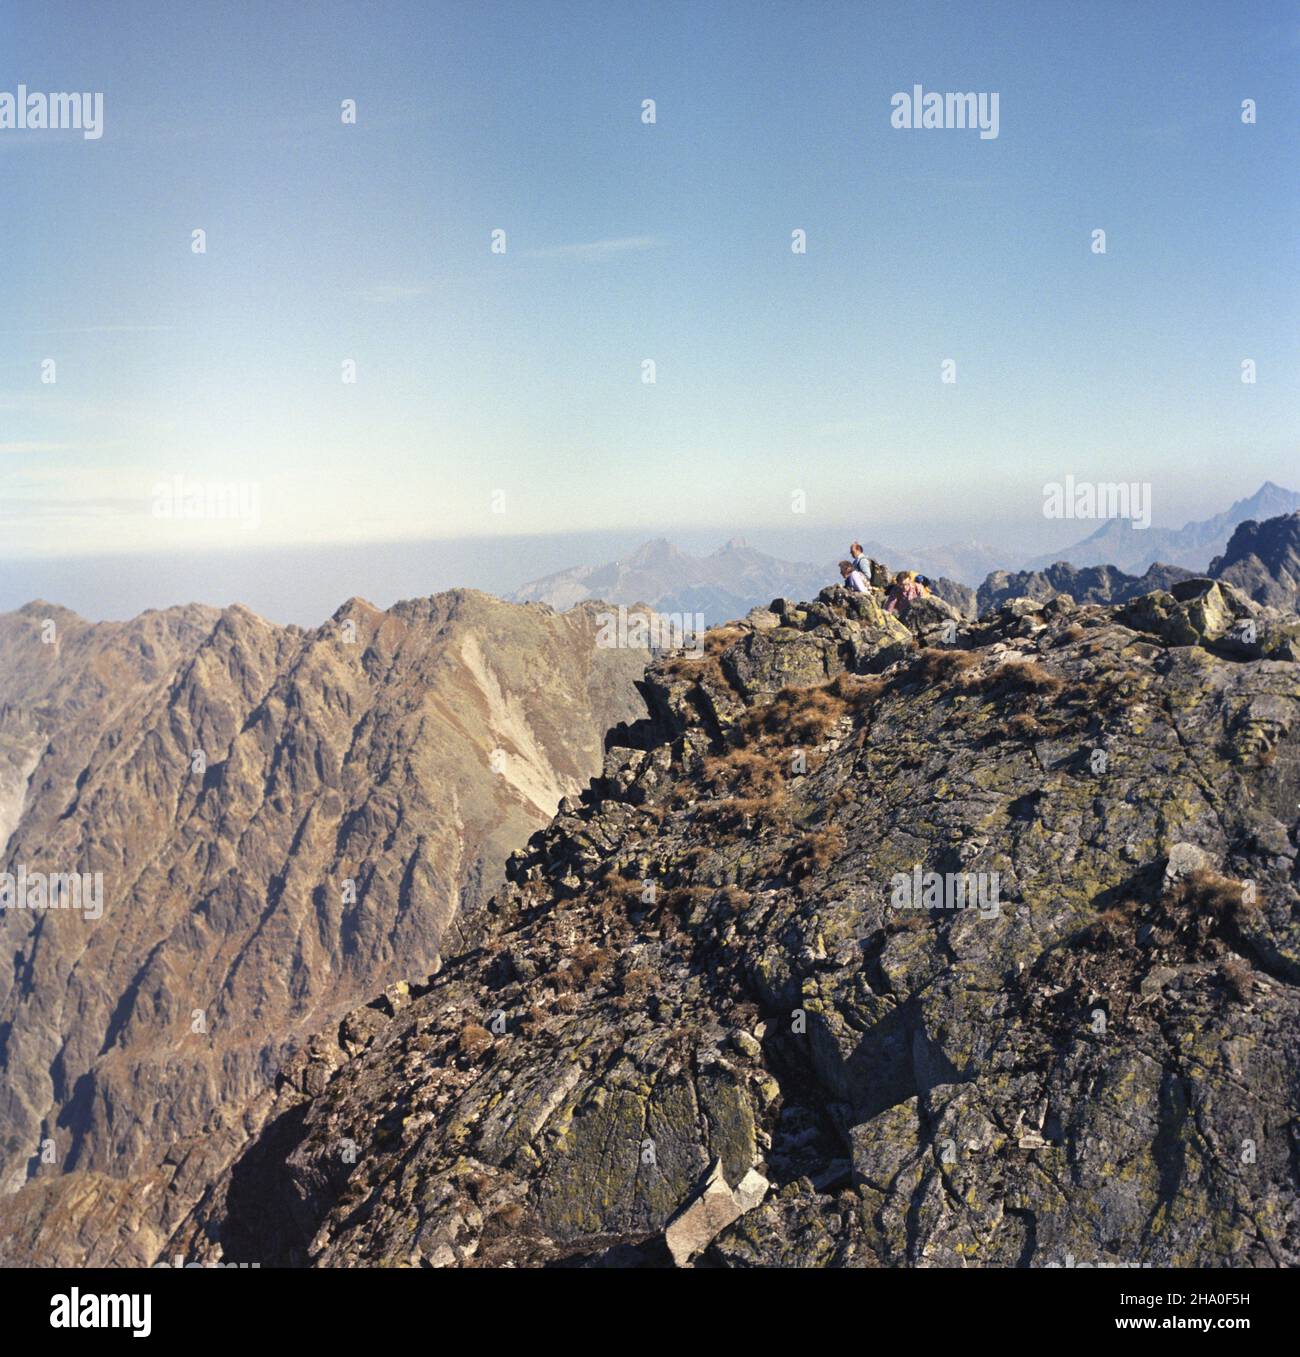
[(1236, 977), (815, 853), (1220, 897), (939, 666), (1027, 676), (474, 1040)]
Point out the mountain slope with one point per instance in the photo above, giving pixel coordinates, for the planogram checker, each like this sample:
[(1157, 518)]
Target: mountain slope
[(285, 822), (707, 1020)]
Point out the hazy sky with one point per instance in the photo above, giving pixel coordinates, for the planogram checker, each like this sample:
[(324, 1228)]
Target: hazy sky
[(521, 372)]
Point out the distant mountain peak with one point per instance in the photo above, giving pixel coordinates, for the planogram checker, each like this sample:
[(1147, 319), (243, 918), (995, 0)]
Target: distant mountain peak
[(1115, 542), (722, 585), (657, 549)]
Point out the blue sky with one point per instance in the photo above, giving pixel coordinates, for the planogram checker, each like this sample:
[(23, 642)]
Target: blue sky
[(522, 373)]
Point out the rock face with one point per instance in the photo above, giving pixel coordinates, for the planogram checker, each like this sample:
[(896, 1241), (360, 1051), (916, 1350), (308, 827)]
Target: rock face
[(957, 596), (980, 954), (283, 823), (1093, 584), (1263, 561)]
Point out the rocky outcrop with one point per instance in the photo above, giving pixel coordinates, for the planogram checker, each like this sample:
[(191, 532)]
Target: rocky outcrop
[(972, 954), (1213, 614), (1092, 584), (282, 823), (955, 595), (1263, 561)]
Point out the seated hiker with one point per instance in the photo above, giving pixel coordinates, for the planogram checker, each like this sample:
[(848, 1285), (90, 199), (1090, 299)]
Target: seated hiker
[(853, 579), (903, 592)]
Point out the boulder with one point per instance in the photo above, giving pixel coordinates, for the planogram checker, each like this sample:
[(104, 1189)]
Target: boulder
[(695, 1227)]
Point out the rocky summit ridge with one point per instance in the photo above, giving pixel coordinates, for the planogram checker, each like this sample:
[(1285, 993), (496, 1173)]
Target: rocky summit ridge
[(947, 944)]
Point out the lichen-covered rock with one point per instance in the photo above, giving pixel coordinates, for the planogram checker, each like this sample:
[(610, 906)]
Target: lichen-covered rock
[(985, 956)]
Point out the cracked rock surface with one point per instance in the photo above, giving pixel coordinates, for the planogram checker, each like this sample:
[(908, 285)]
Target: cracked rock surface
[(970, 954)]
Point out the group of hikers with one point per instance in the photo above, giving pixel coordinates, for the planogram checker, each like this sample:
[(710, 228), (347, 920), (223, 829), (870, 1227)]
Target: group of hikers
[(900, 593)]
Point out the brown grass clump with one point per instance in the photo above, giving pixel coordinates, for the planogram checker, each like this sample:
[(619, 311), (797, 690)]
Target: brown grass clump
[(738, 811), (635, 986), (801, 715), (720, 638), (1025, 675), (1074, 632), (1026, 727), (939, 666), (745, 770), (474, 1039), (1218, 896), (1236, 978), (815, 853), (590, 961), (858, 691), (707, 666)]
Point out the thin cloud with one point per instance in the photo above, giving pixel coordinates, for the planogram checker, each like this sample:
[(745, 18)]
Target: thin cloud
[(20, 449), (594, 249)]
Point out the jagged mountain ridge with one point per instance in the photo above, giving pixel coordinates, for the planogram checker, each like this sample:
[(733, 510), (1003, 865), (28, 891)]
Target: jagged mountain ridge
[(1114, 563), (1132, 550), (722, 585), (1092, 584), (406, 752), (1261, 559), (764, 1061)]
